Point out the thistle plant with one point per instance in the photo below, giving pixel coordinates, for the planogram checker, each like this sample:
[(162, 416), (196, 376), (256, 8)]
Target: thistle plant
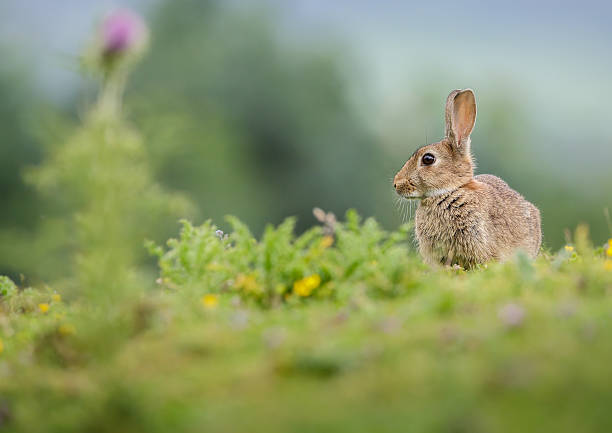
[(101, 173)]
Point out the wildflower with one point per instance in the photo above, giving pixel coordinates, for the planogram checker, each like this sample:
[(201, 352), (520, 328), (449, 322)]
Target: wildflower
[(122, 30), (274, 337), (511, 314), (56, 297), (608, 265), (214, 266), (390, 325), (44, 307), (569, 248), (240, 319), (66, 329), (566, 309), (327, 241), (235, 301), (247, 283), (221, 235), (210, 301), (305, 286), (609, 250), (1, 346)]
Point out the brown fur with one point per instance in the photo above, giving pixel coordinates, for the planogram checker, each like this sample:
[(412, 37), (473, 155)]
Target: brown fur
[(465, 219)]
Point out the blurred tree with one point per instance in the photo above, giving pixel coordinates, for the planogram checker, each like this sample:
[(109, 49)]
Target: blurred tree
[(251, 124), (19, 147)]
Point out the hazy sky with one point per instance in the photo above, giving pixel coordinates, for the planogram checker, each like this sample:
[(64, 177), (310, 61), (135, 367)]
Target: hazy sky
[(558, 54), (566, 41)]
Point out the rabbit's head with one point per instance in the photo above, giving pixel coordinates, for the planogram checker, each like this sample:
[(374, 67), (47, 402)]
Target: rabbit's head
[(441, 167)]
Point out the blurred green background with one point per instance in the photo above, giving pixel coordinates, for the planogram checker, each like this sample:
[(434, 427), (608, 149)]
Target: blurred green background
[(265, 109)]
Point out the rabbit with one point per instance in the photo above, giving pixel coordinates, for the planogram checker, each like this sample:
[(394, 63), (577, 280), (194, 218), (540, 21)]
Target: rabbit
[(463, 219)]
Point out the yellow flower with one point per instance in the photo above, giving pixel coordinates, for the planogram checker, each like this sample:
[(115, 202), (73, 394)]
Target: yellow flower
[(608, 265), (44, 307), (327, 241), (305, 286), (210, 301), (248, 283), (56, 297), (569, 248), (609, 250), (66, 329), (1, 346), (214, 266)]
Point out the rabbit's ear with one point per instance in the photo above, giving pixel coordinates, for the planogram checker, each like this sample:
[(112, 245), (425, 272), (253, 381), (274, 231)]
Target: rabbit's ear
[(460, 117)]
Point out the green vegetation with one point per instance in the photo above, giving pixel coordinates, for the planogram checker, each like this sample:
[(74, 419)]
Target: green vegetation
[(239, 335), (267, 271)]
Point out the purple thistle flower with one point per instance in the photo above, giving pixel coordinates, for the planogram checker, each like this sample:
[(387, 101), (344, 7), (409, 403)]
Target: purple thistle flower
[(122, 30)]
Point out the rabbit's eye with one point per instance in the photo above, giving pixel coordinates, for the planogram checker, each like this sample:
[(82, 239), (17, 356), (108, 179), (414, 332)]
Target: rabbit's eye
[(428, 159)]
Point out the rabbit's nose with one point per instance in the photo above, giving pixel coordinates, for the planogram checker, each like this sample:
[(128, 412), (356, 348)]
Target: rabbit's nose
[(397, 182), (401, 186)]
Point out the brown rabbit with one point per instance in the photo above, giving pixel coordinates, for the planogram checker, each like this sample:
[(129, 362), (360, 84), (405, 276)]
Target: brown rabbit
[(464, 219)]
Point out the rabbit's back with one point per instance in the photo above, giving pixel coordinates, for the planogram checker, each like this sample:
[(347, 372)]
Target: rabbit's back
[(514, 223)]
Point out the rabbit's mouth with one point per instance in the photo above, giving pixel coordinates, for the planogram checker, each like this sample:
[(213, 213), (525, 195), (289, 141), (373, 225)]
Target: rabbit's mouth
[(406, 189), (415, 195), (410, 195)]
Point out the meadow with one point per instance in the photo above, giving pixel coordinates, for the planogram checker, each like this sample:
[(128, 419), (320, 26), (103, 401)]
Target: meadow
[(339, 329)]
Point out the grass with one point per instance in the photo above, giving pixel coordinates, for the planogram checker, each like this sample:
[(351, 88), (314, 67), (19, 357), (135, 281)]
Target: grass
[(230, 340)]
